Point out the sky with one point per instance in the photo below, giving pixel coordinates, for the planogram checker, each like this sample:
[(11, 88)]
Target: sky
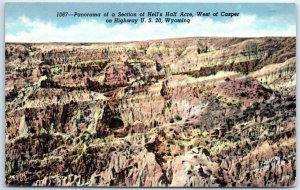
[(38, 22)]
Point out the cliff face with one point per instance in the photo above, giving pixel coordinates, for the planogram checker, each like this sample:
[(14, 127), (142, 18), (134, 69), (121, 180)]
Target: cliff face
[(204, 112)]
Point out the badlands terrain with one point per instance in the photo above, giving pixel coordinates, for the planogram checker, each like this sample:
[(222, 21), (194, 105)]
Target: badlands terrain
[(204, 112)]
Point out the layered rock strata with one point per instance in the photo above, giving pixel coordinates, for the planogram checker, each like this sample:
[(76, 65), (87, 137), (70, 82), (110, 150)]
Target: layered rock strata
[(199, 112)]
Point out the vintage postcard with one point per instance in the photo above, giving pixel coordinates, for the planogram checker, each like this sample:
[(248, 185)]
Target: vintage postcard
[(150, 94)]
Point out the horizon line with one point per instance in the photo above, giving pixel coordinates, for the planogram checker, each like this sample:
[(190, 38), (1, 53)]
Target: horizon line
[(149, 40)]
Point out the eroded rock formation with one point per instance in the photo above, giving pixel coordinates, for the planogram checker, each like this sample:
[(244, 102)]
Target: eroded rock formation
[(204, 112)]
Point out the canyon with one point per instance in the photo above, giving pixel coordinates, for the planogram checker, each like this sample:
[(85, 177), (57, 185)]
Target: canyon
[(186, 112)]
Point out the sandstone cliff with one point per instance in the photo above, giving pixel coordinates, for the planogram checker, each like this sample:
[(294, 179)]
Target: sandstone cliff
[(202, 112)]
